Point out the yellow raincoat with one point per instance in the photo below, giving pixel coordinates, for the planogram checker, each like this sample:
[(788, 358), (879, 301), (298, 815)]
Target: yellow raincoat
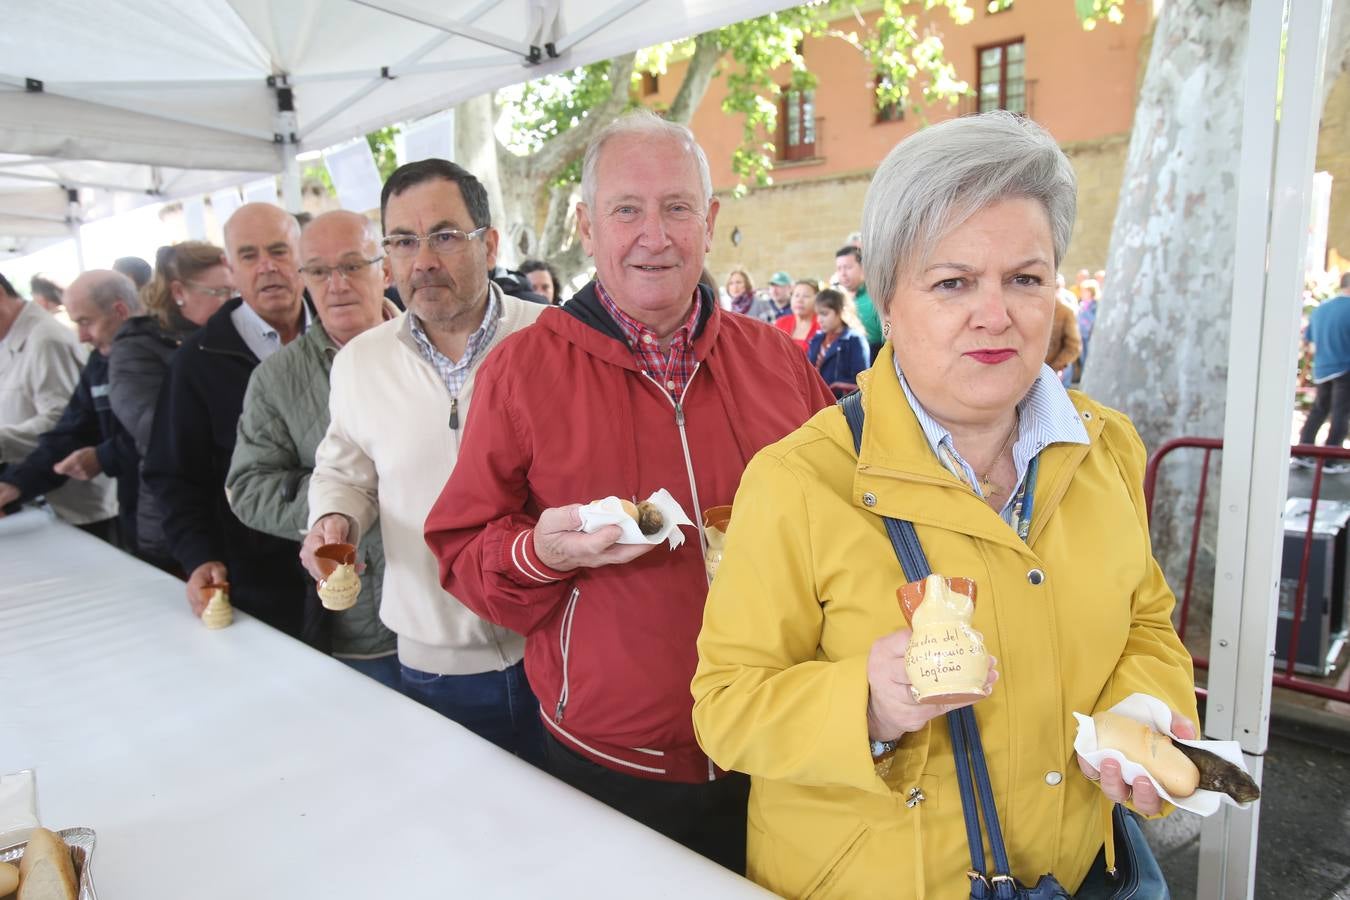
[(808, 583)]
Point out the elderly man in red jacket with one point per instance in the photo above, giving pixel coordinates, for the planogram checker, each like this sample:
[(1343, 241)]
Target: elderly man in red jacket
[(640, 382)]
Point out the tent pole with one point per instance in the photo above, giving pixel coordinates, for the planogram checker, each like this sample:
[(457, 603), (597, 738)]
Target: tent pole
[(390, 72), (1274, 199), (449, 26), (73, 220), (290, 179), (608, 17), (288, 136)]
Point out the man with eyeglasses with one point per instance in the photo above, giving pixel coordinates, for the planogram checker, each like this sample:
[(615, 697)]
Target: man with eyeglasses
[(640, 382), (400, 399), (286, 414), (194, 431)]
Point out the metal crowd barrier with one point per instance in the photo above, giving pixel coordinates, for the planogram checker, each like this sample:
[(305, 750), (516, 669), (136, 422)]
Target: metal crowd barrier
[(1285, 675)]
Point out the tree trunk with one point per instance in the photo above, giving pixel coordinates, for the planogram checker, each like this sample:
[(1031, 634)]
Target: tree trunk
[(1338, 47), (1160, 349), (477, 149), (559, 231)]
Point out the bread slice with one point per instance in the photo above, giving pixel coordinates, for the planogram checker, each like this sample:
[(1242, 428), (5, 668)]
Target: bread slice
[(9, 878), (46, 871)]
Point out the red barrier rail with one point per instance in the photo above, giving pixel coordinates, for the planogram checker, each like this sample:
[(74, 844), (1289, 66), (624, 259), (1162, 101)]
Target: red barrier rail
[(1287, 678)]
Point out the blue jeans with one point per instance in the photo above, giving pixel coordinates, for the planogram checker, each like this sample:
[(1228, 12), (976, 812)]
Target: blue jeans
[(498, 706), (384, 669)]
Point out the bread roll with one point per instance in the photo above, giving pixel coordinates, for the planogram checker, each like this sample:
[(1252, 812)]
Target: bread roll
[(649, 518), (46, 871), (1146, 747), (9, 878)]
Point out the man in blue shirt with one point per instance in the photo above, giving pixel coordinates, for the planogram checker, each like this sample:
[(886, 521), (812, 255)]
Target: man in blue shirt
[(1329, 332)]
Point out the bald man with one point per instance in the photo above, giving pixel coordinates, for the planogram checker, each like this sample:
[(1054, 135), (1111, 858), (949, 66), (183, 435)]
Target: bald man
[(199, 406), (88, 442), (286, 414)]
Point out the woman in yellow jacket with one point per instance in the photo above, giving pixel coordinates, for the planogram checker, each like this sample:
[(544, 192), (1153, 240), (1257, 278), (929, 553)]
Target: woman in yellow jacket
[(801, 679)]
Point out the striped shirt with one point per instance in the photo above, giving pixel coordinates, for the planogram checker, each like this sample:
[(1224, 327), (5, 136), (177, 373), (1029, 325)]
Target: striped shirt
[(1046, 416), (454, 374), (671, 369)]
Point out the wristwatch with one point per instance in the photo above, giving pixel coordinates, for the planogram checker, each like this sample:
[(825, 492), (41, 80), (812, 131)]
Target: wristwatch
[(881, 748)]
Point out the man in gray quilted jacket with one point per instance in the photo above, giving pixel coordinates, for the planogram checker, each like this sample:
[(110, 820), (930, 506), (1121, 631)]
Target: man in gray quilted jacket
[(286, 415)]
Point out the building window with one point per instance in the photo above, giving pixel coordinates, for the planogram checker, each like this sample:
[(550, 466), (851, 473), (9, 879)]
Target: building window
[(1002, 82), (887, 112), (797, 125), (651, 83)]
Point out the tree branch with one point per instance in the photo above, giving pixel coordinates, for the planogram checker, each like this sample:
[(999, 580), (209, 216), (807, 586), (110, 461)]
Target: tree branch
[(558, 152), (697, 76)]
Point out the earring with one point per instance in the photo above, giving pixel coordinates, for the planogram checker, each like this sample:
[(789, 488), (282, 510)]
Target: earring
[(179, 302), (886, 329)]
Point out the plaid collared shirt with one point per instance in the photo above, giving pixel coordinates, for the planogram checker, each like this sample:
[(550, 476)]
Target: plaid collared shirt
[(454, 374), (673, 369)]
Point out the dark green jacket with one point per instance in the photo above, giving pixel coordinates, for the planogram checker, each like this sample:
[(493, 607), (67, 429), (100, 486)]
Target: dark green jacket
[(285, 417)]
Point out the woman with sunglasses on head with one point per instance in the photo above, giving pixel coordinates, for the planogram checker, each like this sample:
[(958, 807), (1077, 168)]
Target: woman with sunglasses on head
[(190, 283)]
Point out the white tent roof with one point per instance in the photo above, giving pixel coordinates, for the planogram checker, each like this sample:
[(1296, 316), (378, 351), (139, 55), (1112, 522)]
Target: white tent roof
[(236, 87), (36, 194)]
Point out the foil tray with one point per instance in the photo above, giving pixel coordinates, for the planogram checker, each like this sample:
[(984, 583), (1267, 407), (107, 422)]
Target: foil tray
[(81, 843)]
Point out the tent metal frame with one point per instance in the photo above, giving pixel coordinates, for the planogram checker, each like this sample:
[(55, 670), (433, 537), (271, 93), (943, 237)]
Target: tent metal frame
[(1279, 143)]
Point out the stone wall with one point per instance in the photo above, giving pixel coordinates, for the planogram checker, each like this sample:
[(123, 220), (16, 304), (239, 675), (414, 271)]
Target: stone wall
[(797, 226), (1100, 166), (794, 226)]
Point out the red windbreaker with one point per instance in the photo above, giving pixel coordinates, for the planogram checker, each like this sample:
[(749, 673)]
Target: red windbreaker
[(562, 414)]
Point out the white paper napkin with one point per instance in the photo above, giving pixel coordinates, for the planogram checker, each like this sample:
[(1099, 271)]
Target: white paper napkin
[(608, 511), (18, 806), (1158, 716)]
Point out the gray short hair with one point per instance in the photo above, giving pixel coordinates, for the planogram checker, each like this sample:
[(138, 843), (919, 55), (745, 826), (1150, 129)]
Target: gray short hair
[(934, 180), (645, 123), (115, 287)]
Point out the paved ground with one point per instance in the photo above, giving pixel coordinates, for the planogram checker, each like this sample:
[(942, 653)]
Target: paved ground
[(1304, 842)]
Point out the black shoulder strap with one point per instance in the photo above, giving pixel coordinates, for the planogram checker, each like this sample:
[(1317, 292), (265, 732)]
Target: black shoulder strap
[(972, 774), (901, 531)]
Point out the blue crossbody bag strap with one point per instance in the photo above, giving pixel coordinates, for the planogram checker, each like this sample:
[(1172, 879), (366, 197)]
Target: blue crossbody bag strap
[(976, 791), (1143, 877)]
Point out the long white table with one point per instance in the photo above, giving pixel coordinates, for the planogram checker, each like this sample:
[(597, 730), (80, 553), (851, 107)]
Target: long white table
[(240, 763)]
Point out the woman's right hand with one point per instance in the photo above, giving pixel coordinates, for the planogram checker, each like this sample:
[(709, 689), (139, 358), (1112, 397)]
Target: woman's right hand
[(891, 708)]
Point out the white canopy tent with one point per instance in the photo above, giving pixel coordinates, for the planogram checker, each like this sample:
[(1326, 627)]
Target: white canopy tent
[(43, 201), (174, 97), (161, 99)]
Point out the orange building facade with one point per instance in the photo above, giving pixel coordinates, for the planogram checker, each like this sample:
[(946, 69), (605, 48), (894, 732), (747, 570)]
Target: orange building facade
[(1033, 58)]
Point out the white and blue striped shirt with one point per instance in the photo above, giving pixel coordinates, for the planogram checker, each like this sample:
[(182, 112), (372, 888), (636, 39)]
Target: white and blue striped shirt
[(1046, 416)]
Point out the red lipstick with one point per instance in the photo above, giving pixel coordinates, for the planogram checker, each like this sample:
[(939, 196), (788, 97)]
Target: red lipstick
[(991, 357)]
